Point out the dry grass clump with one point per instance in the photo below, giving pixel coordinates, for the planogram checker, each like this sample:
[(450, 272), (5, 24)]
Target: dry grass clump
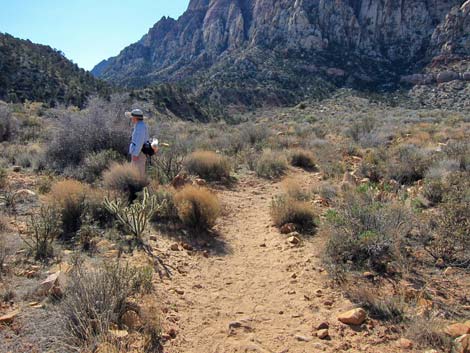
[(302, 159), (450, 229), (208, 165), (69, 197), (271, 165), (125, 179), (165, 197), (294, 190), (285, 209), (427, 332), (95, 301), (198, 208), (366, 233), (96, 163), (390, 308)]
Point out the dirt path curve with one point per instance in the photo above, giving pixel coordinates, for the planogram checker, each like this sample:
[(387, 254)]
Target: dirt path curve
[(262, 295)]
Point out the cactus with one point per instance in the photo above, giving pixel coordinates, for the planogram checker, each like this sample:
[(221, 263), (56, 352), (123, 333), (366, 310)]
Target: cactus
[(136, 216)]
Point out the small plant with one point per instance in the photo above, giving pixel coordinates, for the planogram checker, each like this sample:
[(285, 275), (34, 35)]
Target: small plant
[(4, 252), (408, 164), (434, 191), (126, 179), (294, 190), (70, 196), (303, 159), (134, 218), (285, 209), (3, 178), (427, 332), (87, 232), (95, 300), (271, 165), (95, 164), (198, 208), (43, 229), (366, 233), (208, 165), (168, 211), (391, 309)]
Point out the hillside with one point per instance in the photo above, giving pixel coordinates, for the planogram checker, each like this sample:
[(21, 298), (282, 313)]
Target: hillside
[(261, 52), (39, 73)]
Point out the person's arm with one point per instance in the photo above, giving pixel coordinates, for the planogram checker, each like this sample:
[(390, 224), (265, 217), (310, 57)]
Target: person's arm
[(138, 140)]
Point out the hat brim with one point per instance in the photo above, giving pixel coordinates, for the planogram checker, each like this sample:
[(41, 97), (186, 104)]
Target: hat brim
[(130, 116)]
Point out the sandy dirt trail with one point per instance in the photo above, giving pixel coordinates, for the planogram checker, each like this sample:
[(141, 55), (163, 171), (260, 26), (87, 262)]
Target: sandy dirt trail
[(258, 292)]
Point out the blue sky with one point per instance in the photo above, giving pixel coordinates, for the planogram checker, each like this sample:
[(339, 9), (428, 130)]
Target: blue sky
[(87, 31)]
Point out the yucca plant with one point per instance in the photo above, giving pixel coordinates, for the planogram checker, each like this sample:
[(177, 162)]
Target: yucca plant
[(134, 217)]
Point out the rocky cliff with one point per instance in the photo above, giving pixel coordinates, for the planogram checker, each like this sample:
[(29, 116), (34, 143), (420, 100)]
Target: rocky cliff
[(273, 45)]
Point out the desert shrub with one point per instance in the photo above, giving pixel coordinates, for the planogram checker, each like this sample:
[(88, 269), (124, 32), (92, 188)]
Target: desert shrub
[(95, 129), (198, 208), (125, 179), (390, 308), (4, 252), (168, 164), (69, 197), (8, 124), (134, 218), (208, 165), (95, 300), (408, 164), (3, 178), (87, 233), (271, 165), (327, 190), (294, 190), (303, 159), (361, 128), (43, 229), (433, 191), (427, 332), (372, 166), (255, 134), (450, 229), (96, 163), (366, 233), (459, 151), (442, 168), (166, 198), (285, 209)]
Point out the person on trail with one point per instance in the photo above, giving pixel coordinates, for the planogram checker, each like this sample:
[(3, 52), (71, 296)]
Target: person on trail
[(140, 136)]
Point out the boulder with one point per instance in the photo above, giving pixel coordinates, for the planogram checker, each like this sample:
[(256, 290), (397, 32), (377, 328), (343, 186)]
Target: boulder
[(323, 334), (132, 320), (47, 286), (180, 181), (8, 318), (405, 343), (447, 76), (353, 317), (462, 344), (457, 330)]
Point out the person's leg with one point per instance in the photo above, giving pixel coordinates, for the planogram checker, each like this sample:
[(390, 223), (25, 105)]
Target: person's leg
[(140, 164)]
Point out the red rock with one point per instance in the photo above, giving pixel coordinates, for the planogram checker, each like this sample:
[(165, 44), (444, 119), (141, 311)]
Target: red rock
[(462, 344), (353, 317), (287, 228), (8, 318), (457, 330), (405, 343)]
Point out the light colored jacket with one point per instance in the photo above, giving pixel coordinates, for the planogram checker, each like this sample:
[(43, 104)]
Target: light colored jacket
[(140, 135)]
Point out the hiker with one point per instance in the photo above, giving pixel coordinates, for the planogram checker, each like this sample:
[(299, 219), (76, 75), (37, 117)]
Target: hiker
[(140, 135)]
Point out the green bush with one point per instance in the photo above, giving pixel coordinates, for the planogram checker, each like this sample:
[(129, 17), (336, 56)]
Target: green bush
[(365, 233), (95, 164)]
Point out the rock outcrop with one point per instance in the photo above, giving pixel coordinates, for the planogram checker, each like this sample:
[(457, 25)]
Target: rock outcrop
[(347, 42)]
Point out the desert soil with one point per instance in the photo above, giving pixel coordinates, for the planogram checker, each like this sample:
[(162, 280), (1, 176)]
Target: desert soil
[(253, 291)]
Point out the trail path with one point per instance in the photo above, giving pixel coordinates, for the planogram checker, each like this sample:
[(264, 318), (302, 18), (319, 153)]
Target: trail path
[(262, 294)]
